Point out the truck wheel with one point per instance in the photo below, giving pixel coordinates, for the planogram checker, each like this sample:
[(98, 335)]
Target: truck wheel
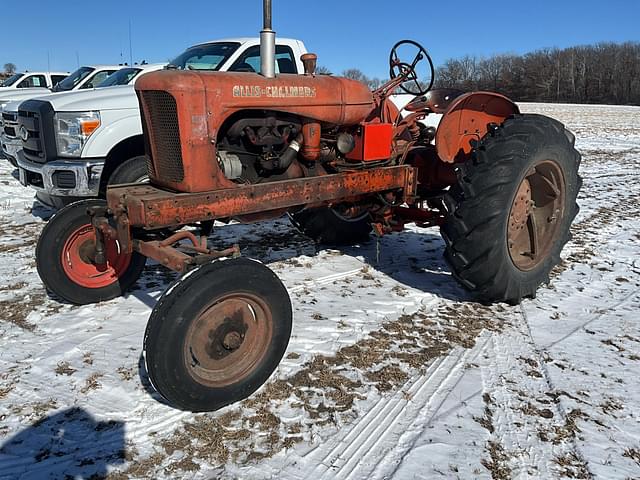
[(331, 227), (133, 170), (64, 258), (510, 212), (217, 335)]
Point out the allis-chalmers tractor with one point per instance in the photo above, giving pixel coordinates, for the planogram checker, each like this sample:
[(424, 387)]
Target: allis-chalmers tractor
[(341, 161)]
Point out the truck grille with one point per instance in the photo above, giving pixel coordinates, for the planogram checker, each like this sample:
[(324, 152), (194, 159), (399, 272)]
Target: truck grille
[(37, 117), (10, 123), (161, 124)]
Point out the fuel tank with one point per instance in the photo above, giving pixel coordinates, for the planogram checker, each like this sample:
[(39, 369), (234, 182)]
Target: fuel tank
[(184, 110)]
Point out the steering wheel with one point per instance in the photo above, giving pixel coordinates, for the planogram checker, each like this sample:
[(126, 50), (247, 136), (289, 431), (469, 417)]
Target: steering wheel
[(409, 70)]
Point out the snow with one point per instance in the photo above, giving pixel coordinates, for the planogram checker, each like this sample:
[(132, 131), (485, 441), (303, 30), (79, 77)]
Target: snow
[(392, 370)]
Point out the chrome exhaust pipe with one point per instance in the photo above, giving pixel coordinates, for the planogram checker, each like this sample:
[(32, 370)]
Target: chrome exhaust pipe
[(267, 44)]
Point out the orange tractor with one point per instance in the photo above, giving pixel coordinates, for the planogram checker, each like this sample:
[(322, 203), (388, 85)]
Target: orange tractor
[(341, 161)]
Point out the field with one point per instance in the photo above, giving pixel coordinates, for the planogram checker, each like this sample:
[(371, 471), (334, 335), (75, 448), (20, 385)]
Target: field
[(392, 370)]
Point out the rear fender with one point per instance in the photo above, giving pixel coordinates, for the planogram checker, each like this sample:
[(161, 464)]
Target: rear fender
[(468, 119)]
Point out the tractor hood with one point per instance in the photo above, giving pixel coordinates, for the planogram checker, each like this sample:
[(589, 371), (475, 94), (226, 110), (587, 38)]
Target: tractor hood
[(185, 111), (109, 98), (323, 98)]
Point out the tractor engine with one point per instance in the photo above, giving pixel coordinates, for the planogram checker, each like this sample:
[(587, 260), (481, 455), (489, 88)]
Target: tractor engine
[(212, 130)]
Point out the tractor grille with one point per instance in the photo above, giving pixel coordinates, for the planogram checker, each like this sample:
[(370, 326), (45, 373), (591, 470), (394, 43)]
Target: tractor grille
[(161, 122)]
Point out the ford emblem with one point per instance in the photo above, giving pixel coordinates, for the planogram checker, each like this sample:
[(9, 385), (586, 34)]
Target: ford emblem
[(24, 133)]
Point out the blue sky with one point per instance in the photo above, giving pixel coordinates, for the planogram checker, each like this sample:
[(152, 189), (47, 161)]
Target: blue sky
[(344, 33)]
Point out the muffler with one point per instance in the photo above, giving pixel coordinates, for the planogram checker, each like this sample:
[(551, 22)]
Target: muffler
[(267, 43)]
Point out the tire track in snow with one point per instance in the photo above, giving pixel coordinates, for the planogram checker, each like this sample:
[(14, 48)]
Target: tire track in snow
[(375, 446), (519, 410)]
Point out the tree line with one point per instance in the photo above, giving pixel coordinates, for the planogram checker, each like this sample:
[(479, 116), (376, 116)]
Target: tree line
[(606, 73)]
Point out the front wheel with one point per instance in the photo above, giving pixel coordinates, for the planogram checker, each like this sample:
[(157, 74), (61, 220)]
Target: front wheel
[(133, 170), (509, 215), (217, 335), (64, 258)]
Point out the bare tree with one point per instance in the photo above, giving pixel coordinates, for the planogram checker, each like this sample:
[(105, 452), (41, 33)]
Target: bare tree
[(601, 73), (9, 68)]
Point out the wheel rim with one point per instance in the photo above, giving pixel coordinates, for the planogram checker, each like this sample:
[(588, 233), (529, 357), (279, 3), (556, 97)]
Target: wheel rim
[(536, 214), (228, 339), (77, 263), (350, 213)]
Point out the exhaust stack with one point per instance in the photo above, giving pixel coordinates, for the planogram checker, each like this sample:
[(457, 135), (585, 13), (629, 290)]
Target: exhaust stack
[(267, 44)]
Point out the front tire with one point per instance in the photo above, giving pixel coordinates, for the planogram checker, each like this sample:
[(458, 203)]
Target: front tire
[(63, 258), (133, 170), (509, 214), (217, 335)]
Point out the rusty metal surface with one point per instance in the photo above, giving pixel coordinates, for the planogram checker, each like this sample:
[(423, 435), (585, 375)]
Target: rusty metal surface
[(205, 100), (163, 252), (152, 207), (467, 119), (167, 256), (420, 216), (433, 174), (228, 340), (535, 215), (438, 100)]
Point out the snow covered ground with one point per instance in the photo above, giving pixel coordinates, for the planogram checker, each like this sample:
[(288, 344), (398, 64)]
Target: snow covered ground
[(392, 370)]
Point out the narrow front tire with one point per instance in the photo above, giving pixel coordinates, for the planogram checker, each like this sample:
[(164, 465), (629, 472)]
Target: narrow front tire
[(217, 334)]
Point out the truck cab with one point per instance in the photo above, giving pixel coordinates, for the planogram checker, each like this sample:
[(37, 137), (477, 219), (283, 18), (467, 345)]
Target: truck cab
[(108, 146), (32, 80), (85, 77)]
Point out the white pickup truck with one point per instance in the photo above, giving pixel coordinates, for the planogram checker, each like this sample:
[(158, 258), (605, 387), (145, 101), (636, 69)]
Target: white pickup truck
[(10, 141), (86, 77), (74, 145), (32, 80)]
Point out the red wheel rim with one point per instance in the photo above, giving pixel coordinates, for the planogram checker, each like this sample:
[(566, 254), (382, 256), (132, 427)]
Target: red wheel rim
[(536, 215), (77, 263)]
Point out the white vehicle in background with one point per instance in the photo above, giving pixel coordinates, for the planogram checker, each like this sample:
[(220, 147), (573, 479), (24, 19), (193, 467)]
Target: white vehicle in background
[(74, 145), (10, 140), (85, 77), (40, 80)]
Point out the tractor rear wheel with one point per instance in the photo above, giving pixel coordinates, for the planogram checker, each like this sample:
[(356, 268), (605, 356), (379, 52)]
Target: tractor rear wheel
[(217, 335), (333, 226), (509, 214), (64, 258)]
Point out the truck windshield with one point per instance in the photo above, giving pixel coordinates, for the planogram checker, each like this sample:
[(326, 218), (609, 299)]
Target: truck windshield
[(11, 80), (210, 56), (121, 77), (72, 80)]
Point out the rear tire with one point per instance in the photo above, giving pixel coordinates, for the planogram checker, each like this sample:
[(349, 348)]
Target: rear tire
[(217, 334), (326, 226), (509, 214), (63, 259)]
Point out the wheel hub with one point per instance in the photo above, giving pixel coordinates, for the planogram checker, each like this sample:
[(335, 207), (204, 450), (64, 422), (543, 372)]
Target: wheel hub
[(78, 259), (232, 340), (534, 215), (228, 339)]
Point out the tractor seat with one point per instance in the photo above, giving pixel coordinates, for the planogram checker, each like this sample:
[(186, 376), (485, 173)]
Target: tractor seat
[(437, 100)]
